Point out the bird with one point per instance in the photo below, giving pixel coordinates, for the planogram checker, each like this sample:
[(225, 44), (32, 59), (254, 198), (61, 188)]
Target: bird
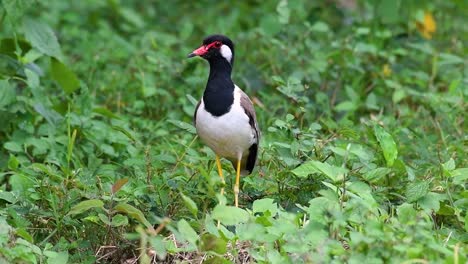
[(225, 118)]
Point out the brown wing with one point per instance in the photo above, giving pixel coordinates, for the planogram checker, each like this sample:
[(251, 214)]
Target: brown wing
[(248, 107), (195, 113)]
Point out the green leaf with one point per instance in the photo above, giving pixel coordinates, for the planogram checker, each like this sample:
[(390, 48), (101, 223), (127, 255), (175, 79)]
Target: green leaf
[(416, 190), (7, 94), (406, 213), (13, 146), (58, 258), (65, 77), (387, 11), (230, 215), (191, 205), (387, 144), (376, 174), (85, 206), (335, 173), (430, 202), (104, 218), (119, 220), (187, 232), (263, 205), (158, 244), (183, 125), (41, 37), (133, 212), (305, 169), (210, 242), (49, 114), (13, 163)]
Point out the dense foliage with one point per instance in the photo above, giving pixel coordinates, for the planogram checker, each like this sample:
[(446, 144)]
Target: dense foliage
[(361, 104)]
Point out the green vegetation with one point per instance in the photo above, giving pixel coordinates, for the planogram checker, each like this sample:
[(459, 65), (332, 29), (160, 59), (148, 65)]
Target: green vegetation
[(362, 106)]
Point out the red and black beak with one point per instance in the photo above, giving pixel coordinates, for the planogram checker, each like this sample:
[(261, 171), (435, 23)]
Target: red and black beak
[(199, 52)]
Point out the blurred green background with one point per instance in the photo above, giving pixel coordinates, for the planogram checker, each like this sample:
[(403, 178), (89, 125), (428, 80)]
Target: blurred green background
[(361, 103)]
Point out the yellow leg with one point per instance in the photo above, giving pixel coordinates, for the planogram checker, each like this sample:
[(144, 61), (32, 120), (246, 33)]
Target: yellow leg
[(220, 173), (236, 186)]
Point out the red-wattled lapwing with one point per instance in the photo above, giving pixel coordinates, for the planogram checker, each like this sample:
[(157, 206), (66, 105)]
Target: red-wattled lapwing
[(225, 117)]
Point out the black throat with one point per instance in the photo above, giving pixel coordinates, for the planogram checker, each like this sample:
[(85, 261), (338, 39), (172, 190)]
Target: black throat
[(219, 91)]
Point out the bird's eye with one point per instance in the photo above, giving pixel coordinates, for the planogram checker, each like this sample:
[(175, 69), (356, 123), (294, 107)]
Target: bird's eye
[(218, 44)]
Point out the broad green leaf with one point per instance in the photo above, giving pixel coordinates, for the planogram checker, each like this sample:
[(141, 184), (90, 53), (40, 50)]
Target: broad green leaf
[(387, 11), (158, 244), (133, 212), (430, 202), (105, 112), (42, 37), (20, 182), (119, 220), (376, 174), (13, 163), (230, 215), (305, 169), (58, 258), (335, 173), (49, 114), (65, 77), (187, 232), (190, 204), (460, 176), (7, 94), (85, 206), (13, 146), (320, 27), (8, 196), (283, 11), (104, 218), (210, 242), (387, 144), (183, 125), (416, 190), (263, 205), (406, 213)]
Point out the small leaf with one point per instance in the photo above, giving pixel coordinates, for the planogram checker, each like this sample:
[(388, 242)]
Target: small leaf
[(305, 169), (416, 190), (264, 205), (85, 206), (230, 215), (183, 125), (65, 77), (191, 205), (13, 163), (210, 242), (7, 94), (133, 212), (387, 144), (59, 258), (187, 231), (118, 185), (335, 173), (119, 220), (49, 114), (41, 37), (158, 244), (430, 202), (406, 213), (13, 146)]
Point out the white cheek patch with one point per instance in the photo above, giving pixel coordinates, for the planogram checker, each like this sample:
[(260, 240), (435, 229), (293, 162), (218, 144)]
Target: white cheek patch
[(226, 53)]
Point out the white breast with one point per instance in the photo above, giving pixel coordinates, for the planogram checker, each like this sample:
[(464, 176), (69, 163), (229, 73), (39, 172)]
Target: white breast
[(229, 135)]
